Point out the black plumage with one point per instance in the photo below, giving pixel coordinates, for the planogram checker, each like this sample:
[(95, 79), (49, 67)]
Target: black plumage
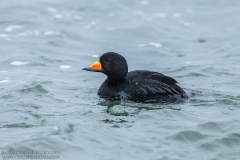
[(138, 86)]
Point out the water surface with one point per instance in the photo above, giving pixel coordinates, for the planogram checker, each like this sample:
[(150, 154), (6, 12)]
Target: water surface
[(49, 103)]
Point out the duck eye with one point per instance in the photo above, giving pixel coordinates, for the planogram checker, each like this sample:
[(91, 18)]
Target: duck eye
[(109, 59)]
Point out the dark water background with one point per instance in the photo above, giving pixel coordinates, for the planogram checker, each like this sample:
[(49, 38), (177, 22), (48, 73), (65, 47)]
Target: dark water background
[(48, 102)]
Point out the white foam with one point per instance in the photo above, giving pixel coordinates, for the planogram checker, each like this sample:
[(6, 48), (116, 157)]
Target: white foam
[(176, 15), (58, 16), (67, 14), (78, 17), (65, 66), (142, 45), (188, 62), (47, 33), (56, 128), (8, 29), (18, 63), (155, 44), (3, 71), (187, 24), (4, 81), (36, 32), (90, 25), (23, 34), (111, 15), (53, 10), (188, 11), (93, 23), (144, 2), (4, 36), (95, 56), (11, 27)]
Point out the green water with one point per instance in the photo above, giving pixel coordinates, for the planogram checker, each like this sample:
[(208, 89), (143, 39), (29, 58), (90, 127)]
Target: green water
[(48, 103)]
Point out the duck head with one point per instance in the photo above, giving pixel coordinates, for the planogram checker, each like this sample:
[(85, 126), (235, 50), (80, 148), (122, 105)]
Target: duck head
[(111, 64)]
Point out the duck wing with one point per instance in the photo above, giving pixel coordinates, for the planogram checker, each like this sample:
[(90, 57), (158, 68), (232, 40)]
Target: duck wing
[(147, 86)]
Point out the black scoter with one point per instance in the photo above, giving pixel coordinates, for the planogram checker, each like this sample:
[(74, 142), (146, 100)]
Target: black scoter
[(137, 86)]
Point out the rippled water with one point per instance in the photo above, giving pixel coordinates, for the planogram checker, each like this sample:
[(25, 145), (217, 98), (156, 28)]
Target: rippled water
[(49, 103)]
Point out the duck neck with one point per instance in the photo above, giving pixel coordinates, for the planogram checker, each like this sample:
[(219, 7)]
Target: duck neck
[(116, 80)]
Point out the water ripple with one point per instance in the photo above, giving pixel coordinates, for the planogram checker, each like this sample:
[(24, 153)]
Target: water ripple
[(189, 136)]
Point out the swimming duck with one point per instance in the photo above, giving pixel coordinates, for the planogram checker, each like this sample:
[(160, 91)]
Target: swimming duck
[(138, 86)]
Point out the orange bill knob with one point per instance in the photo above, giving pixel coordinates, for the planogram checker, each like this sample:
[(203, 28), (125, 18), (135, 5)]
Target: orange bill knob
[(96, 66)]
